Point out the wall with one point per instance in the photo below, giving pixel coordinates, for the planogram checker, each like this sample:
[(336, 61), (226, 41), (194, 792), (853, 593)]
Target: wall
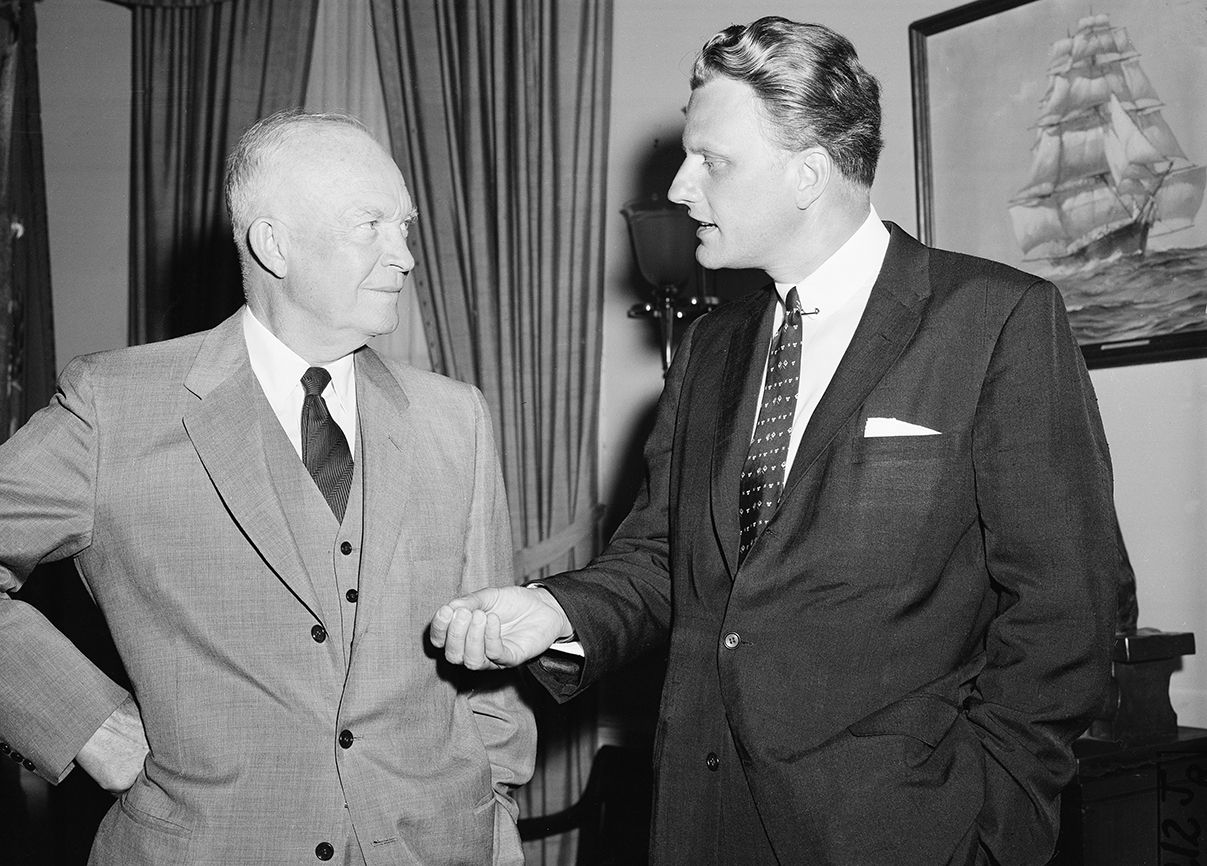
[(1155, 414), (84, 63)]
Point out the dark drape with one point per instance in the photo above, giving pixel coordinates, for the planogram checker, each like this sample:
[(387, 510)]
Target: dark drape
[(204, 70), (26, 328), (498, 115)]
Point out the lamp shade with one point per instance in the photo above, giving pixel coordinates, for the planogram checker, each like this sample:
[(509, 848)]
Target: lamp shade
[(664, 241)]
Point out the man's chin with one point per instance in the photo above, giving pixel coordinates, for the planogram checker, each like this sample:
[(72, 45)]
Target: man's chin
[(711, 258)]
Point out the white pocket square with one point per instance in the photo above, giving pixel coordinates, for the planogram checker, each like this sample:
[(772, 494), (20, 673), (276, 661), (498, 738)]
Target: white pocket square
[(896, 427)]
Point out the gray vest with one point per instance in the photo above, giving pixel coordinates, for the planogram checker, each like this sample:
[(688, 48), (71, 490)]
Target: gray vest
[(320, 539)]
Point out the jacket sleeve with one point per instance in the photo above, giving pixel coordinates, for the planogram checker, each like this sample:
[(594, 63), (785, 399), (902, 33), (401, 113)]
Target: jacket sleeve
[(52, 698), (1044, 492), (505, 722), (620, 604)]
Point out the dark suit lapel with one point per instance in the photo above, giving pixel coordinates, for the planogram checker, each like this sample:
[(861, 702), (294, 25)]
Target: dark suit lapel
[(737, 405), (888, 324), (386, 442), (224, 427)]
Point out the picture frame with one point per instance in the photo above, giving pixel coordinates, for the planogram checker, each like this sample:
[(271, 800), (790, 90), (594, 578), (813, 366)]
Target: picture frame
[(1068, 140)]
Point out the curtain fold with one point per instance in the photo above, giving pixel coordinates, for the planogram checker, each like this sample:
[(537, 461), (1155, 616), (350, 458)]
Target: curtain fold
[(203, 72), (344, 78), (27, 371), (498, 115)]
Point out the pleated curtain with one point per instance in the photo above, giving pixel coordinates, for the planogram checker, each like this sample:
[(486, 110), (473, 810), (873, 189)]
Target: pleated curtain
[(27, 360), (498, 114), (204, 70)]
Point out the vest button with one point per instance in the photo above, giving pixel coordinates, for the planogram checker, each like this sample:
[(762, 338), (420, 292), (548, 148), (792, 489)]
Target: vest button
[(352, 595), (324, 851), (318, 633), (712, 761), (17, 757), (345, 548), (345, 739), (28, 764), (731, 640)]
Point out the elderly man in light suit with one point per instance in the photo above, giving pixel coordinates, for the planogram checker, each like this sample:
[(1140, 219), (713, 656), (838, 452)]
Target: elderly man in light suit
[(271, 610), (877, 528)]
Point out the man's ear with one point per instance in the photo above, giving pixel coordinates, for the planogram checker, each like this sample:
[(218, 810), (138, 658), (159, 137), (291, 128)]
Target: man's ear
[(814, 169), (269, 245)]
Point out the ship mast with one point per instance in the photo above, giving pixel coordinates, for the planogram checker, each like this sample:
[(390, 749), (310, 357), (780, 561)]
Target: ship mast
[(1105, 165)]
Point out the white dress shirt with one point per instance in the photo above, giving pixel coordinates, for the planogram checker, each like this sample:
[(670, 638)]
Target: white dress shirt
[(833, 299), (279, 371)]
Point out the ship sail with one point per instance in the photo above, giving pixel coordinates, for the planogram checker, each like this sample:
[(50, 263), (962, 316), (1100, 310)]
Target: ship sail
[(1105, 166)]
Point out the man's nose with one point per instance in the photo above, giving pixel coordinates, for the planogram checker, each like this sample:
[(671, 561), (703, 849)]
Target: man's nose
[(398, 252), (682, 189)]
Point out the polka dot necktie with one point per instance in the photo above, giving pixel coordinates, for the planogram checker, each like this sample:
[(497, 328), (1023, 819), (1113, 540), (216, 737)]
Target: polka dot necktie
[(324, 448), (767, 461)]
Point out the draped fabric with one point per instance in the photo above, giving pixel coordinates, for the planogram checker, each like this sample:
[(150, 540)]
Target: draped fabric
[(344, 78), (27, 362), (498, 114), (203, 72)]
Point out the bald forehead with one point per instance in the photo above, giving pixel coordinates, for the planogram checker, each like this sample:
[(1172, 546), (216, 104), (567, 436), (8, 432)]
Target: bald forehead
[(329, 145), (329, 161)]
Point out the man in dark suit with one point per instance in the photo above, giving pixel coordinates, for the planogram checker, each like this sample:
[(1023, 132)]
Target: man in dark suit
[(877, 525)]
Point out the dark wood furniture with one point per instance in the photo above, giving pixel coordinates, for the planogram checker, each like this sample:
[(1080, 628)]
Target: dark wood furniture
[(1139, 805)]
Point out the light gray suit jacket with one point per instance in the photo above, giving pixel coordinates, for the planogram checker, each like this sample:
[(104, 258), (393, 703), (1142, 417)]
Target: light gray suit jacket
[(150, 467)]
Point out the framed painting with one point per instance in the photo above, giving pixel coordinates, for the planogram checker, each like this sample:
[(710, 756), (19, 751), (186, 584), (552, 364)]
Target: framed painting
[(1069, 139)]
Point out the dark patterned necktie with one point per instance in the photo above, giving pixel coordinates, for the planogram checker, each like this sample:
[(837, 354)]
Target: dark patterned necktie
[(767, 461), (324, 448)]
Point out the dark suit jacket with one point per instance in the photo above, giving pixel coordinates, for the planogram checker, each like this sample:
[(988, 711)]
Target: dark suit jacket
[(896, 671)]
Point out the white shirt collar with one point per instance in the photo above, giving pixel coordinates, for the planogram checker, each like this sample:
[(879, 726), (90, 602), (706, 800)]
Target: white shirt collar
[(852, 268), (279, 370)]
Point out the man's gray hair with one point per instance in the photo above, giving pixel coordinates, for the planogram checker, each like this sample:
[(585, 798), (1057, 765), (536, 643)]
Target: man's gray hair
[(812, 88), (247, 165)]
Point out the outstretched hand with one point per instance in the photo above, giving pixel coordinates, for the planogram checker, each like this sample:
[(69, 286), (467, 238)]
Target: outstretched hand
[(499, 627)]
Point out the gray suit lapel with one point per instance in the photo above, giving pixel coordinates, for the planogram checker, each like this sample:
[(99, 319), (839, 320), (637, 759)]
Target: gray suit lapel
[(225, 429), (387, 443)]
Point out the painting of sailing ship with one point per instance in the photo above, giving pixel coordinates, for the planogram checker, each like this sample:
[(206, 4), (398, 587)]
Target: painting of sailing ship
[(1106, 169), (1081, 157)]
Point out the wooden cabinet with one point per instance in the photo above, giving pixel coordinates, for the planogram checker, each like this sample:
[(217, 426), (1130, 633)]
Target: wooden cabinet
[(1138, 805)]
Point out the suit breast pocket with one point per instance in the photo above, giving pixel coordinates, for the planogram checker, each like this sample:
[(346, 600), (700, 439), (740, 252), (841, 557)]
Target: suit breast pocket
[(880, 449), (909, 474)]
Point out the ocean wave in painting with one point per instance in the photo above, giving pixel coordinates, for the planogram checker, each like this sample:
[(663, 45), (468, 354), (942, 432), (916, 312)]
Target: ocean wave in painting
[(1132, 297)]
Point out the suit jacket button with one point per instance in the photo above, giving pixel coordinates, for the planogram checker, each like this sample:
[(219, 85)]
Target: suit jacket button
[(345, 739), (345, 548), (731, 640), (318, 633), (324, 851), (712, 761), (5, 748), (16, 756), (28, 764), (352, 595)]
